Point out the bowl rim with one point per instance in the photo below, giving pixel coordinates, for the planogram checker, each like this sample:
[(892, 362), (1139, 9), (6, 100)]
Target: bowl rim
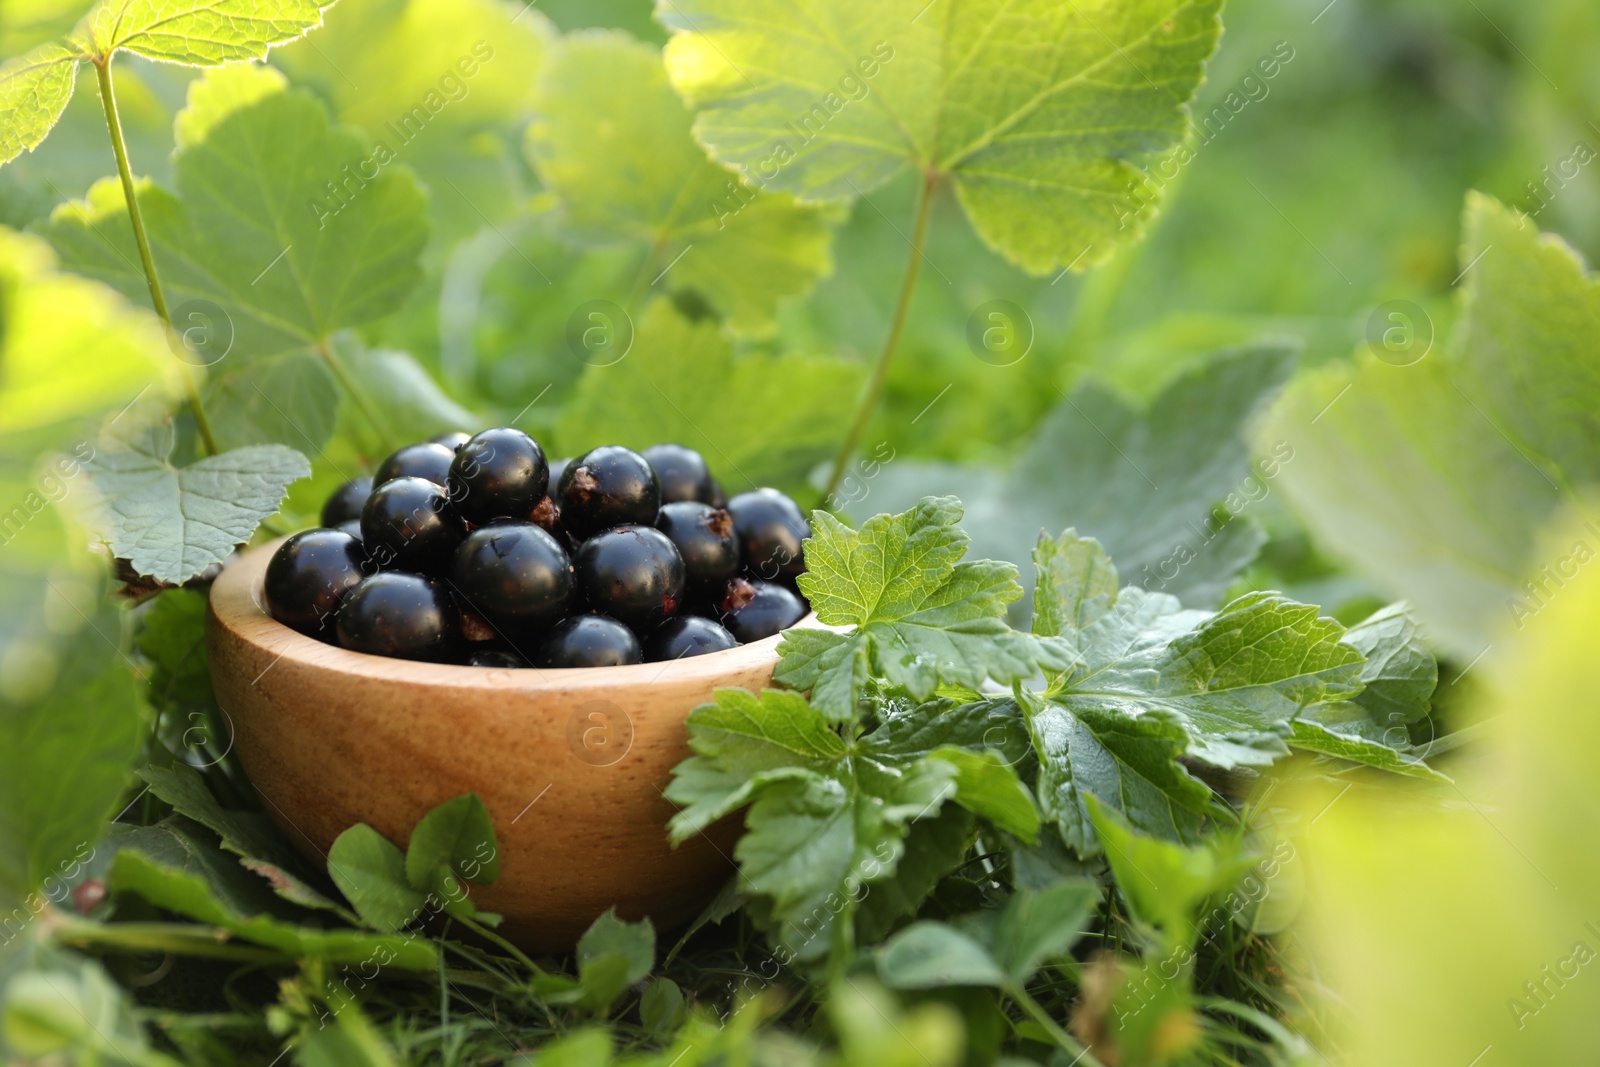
[(236, 604)]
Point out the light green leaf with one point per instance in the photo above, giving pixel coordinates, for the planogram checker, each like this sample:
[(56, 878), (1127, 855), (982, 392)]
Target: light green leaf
[(454, 840), (922, 617), (174, 522), (1434, 479), (661, 1007), (34, 90), (1164, 883), (251, 836), (282, 222), (986, 785), (370, 871), (612, 144), (1075, 584), (931, 955), (1312, 736), (290, 398), (352, 1041), (196, 33), (1128, 761), (219, 94), (827, 817), (1039, 113), (612, 955), (1036, 925), (177, 865), (776, 417), (1167, 488)]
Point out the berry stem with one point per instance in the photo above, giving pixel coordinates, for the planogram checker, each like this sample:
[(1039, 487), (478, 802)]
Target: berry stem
[(108, 99), (880, 372)]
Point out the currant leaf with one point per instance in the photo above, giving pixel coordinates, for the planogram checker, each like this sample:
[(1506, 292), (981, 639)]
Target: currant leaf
[(195, 33), (34, 89)]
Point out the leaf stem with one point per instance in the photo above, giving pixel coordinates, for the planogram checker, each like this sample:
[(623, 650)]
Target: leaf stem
[(379, 425), (880, 372), (1065, 1040), (108, 99), (494, 938), (177, 938)]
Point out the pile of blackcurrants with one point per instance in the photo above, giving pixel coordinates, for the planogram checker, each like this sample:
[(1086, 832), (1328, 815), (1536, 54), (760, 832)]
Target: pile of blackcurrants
[(477, 550)]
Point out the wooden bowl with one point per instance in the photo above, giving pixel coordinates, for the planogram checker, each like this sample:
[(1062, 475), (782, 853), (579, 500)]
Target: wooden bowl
[(571, 763)]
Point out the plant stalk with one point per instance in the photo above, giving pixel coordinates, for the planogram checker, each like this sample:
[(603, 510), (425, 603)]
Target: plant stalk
[(494, 938), (880, 372), (177, 938), (1063, 1039), (108, 99)]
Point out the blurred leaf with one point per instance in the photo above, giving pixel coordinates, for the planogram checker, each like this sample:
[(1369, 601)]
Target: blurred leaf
[(280, 225), (177, 865), (173, 522), (1433, 478), (65, 1008), (929, 955), (612, 955), (290, 397), (922, 616), (371, 872), (1162, 487), (1481, 908), (759, 420), (352, 1041), (875, 1032), (1041, 115), (661, 1006), (612, 143)]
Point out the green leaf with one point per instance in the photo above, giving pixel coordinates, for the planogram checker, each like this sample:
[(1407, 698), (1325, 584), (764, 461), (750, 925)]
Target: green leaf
[(177, 865), (661, 1007), (352, 1041), (1434, 479), (289, 398), (986, 785), (249, 835), (1040, 114), (922, 617), (1233, 681), (776, 416), (174, 522), (172, 637), (934, 847), (827, 817), (196, 33), (1075, 584), (1164, 883), (612, 144), (34, 90), (612, 955), (1166, 487), (1035, 926), (930, 955), (370, 871), (267, 224), (1314, 737), (1126, 760), (454, 840)]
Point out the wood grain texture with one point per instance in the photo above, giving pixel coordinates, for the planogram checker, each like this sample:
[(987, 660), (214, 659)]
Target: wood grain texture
[(570, 763)]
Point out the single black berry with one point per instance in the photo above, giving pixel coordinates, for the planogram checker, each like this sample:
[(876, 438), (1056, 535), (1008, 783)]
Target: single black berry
[(688, 635), (682, 472), (309, 576), (426, 460), (408, 524), (513, 574), (452, 440), (770, 529), (496, 657), (703, 536), (351, 527), (558, 467), (605, 487), (589, 641), (397, 614), (719, 499), (498, 472), (346, 502), (631, 573), (771, 609)]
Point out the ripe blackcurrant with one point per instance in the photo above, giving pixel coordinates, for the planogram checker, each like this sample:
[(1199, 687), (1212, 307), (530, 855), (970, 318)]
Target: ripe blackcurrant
[(773, 608), (346, 502), (498, 472), (589, 641), (703, 536), (631, 573), (605, 487), (351, 527), (425, 460), (496, 657), (513, 574), (688, 635), (408, 524), (309, 575), (682, 472), (770, 529), (396, 614)]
